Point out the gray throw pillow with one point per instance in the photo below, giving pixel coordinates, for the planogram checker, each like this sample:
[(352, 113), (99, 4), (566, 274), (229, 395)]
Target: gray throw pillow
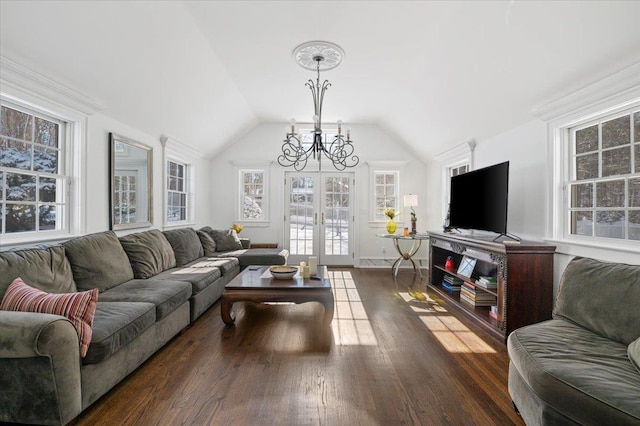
[(634, 353), (98, 261), (149, 253), (45, 269), (186, 245), (208, 243), (227, 240)]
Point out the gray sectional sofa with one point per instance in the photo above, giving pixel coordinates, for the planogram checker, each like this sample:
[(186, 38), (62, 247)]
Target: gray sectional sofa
[(151, 285), (583, 366)]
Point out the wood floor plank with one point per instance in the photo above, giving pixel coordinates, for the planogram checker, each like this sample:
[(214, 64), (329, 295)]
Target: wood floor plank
[(387, 358)]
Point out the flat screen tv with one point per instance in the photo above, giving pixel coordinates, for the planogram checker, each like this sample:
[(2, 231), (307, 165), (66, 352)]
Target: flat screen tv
[(479, 199)]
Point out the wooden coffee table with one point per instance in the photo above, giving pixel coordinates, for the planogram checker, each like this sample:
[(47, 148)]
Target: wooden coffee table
[(256, 285)]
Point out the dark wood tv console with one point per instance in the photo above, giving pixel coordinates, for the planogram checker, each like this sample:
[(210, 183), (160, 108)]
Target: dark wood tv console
[(524, 272)]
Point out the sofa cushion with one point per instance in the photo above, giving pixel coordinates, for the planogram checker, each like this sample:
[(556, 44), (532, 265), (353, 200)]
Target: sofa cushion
[(199, 277), (589, 289), (46, 269), (79, 308), (633, 351), (149, 253), (116, 324), (226, 240), (207, 241), (98, 261), (186, 245), (263, 257), (583, 376), (227, 265), (165, 295)]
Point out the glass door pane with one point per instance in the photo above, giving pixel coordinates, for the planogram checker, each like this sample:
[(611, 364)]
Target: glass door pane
[(302, 216)]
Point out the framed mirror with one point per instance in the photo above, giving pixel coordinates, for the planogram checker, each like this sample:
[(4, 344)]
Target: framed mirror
[(130, 183)]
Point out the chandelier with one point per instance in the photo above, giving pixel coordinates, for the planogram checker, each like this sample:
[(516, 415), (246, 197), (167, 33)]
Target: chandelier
[(338, 148)]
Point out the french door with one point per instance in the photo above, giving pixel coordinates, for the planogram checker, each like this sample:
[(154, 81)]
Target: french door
[(319, 219)]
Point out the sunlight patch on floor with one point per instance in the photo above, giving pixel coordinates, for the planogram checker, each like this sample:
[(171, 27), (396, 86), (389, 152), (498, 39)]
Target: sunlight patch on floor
[(350, 323), (452, 334)]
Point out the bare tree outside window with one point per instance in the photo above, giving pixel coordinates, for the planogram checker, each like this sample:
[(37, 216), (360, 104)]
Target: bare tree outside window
[(31, 184), (604, 191)]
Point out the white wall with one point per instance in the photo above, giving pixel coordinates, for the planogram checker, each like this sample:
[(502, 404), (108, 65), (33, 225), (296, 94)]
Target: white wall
[(372, 144), (97, 185)]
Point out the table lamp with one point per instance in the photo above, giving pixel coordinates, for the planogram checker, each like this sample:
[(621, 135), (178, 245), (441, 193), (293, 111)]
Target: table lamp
[(411, 200)]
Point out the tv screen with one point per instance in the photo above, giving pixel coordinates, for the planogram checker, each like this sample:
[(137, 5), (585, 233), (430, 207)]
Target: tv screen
[(479, 199)]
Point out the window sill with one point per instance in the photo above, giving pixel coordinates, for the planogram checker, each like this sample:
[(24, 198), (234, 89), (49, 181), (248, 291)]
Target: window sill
[(253, 223), (26, 241), (602, 251), (174, 225)]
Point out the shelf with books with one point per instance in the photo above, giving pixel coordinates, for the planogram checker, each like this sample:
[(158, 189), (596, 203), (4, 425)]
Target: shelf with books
[(525, 269)]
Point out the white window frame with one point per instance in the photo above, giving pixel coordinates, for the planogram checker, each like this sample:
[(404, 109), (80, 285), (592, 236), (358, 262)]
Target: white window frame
[(449, 160), (239, 216), (609, 96), (184, 191), (177, 152), (28, 89), (386, 167)]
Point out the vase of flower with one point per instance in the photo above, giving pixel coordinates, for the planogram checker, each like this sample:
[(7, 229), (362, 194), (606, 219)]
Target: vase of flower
[(391, 224)]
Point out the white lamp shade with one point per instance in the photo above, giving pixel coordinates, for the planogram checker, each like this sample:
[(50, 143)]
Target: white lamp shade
[(410, 200)]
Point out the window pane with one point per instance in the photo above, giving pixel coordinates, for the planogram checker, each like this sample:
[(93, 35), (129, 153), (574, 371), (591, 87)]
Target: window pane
[(616, 132), (610, 193), (587, 139), (21, 187), (46, 132), (582, 195), (379, 178), (610, 224), (587, 166), (180, 184), (173, 185), (637, 157), (636, 127), (15, 154), (20, 218), (582, 223), (173, 168), (47, 218), (180, 170), (15, 124), (634, 192), (1, 189), (47, 190), (616, 161), (634, 225), (45, 160), (390, 179)]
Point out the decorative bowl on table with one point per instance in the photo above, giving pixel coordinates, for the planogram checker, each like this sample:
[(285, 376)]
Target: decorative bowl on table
[(283, 272)]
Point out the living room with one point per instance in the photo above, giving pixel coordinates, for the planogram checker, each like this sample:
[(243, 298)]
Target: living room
[(424, 88)]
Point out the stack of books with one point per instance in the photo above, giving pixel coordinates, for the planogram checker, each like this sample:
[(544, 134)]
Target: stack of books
[(474, 296), (451, 283), (493, 312), (490, 283)]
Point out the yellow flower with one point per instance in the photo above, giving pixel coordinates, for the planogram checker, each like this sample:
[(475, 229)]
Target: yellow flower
[(237, 227), (391, 213)]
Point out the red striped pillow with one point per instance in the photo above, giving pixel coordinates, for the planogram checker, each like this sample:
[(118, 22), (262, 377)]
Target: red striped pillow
[(78, 307)]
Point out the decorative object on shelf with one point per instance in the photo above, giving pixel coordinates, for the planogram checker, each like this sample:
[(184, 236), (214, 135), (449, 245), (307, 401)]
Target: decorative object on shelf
[(405, 232), (391, 224), (237, 227), (466, 266), (411, 200), (448, 265), (318, 55)]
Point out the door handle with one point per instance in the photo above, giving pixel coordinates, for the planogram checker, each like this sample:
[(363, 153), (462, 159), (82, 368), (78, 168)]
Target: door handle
[(315, 218), (323, 218)]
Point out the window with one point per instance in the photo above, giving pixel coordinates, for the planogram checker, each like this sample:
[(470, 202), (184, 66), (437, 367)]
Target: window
[(604, 181), (177, 194), (252, 195), (385, 193), (32, 172)]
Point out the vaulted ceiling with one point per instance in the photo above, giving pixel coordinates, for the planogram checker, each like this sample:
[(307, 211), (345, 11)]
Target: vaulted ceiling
[(432, 74)]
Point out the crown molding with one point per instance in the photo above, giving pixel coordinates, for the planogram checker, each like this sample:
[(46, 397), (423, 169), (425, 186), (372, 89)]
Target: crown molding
[(177, 148), (622, 84), (19, 77)]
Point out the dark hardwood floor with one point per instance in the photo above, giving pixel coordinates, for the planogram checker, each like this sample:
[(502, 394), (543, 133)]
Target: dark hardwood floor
[(387, 359)]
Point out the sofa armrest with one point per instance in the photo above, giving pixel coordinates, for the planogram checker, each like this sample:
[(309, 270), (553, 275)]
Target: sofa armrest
[(246, 243), (39, 368)]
